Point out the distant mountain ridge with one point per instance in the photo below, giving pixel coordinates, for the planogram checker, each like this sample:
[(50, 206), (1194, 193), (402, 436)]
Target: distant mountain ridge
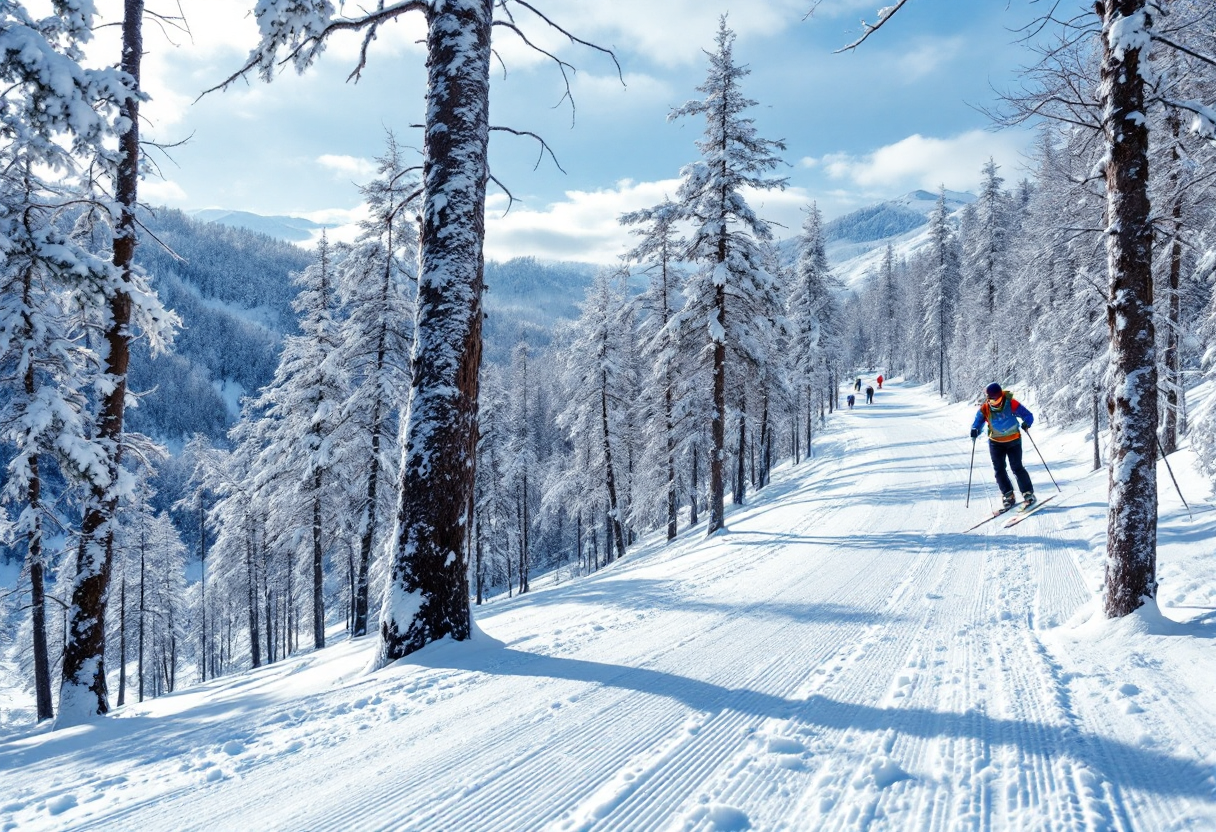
[(856, 241), (290, 229)]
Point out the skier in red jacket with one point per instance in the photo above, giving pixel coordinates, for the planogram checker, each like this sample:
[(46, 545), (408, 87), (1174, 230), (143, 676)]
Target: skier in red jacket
[(879, 382)]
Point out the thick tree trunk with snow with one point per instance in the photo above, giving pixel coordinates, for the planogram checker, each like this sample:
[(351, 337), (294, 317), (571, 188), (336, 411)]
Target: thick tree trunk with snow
[(1131, 538), (427, 597), (83, 691)]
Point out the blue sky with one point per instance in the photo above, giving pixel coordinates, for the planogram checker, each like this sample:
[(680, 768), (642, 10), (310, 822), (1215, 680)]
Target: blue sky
[(897, 114)]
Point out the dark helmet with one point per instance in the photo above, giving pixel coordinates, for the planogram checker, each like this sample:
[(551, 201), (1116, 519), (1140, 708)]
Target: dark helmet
[(993, 390)]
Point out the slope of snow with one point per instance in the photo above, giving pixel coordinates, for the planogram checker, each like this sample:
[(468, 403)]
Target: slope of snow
[(842, 657)]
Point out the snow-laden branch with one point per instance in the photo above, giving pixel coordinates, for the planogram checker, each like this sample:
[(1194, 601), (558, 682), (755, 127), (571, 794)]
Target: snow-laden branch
[(884, 14)]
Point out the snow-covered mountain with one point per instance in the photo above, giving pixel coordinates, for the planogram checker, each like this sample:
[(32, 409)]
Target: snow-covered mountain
[(856, 241), (290, 229)]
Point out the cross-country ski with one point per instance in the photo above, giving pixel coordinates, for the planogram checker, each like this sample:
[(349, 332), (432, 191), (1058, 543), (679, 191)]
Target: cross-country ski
[(1027, 511)]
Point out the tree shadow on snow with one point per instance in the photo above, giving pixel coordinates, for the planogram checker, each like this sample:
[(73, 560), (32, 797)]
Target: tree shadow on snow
[(1128, 766)]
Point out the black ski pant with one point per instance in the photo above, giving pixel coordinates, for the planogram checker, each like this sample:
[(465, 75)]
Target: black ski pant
[(1011, 451)]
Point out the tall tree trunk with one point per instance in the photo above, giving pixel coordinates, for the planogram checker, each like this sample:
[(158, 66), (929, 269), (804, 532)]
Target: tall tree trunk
[(1097, 414), (122, 640), (673, 516), (318, 570), (741, 455), (143, 574), (373, 484), (1131, 537), (525, 546), (766, 442), (428, 593), (614, 520), (251, 587), (717, 429), (480, 571), (42, 661), (1172, 362), (83, 689), (202, 587), (696, 489)]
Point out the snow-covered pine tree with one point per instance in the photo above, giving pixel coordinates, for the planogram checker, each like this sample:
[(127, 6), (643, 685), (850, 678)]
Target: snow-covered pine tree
[(44, 370), (658, 250), (376, 283), (202, 459), (126, 308), (519, 457), (980, 336), (724, 233), (53, 113), (812, 311), (302, 407), (592, 384), (940, 290), (891, 316)]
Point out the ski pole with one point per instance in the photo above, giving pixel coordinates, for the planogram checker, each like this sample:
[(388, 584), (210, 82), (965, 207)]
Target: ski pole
[(1166, 460), (1040, 453), (969, 470)]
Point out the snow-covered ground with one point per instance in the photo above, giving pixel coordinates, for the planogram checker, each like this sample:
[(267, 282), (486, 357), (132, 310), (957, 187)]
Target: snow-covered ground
[(844, 657)]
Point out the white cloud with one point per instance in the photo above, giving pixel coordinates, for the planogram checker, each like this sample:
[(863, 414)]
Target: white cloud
[(927, 162), (582, 227), (347, 167), (926, 57), (162, 192)]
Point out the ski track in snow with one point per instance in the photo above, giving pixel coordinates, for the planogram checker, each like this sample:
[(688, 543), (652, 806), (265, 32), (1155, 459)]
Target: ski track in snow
[(843, 658)]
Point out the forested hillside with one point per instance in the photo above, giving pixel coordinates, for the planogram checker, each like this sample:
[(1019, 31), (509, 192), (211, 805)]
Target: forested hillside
[(232, 289)]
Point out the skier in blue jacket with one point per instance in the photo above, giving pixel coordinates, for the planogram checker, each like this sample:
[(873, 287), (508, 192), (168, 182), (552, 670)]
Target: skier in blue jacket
[(1001, 411)]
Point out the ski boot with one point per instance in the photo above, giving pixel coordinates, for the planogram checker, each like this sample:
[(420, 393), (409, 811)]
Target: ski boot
[(1029, 497), (1008, 500)]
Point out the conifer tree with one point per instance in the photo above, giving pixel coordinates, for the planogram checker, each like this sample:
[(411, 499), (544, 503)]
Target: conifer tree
[(376, 281), (659, 250), (302, 409), (724, 234), (812, 311), (940, 290)]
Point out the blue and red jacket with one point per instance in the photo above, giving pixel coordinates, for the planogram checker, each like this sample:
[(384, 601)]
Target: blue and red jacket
[(1002, 418)]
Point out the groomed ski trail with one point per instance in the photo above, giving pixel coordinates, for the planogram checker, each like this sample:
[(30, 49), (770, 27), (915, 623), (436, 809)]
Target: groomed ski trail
[(842, 658)]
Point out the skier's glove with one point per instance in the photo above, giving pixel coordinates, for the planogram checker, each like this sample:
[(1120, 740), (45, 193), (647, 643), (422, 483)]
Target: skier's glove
[(1025, 427), (975, 432)]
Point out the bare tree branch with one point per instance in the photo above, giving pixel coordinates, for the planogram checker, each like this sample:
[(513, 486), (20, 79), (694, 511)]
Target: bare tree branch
[(868, 29), (543, 144), (510, 197)]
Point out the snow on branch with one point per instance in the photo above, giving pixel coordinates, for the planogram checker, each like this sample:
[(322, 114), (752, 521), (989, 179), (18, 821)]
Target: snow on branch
[(302, 27), (884, 14)]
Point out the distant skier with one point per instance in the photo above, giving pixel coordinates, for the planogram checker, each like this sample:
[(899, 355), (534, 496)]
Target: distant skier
[(850, 399), (857, 385), (880, 382), (869, 394), (1001, 411)]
